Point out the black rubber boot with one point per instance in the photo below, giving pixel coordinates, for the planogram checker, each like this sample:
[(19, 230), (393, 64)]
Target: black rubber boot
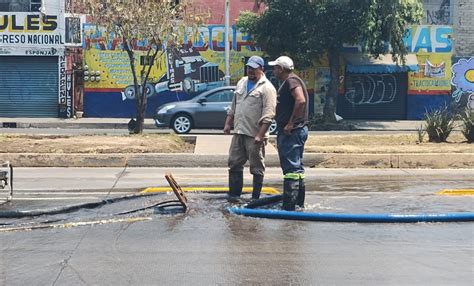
[(290, 194), (236, 183), (257, 186), (301, 194)]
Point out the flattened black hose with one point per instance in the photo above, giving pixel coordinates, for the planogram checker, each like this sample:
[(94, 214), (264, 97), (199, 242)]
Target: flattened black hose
[(264, 201), (68, 209)]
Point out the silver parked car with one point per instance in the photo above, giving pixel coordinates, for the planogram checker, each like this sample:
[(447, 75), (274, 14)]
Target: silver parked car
[(205, 111)]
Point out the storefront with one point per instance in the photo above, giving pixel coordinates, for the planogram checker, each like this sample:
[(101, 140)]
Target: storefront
[(375, 88), (33, 69)]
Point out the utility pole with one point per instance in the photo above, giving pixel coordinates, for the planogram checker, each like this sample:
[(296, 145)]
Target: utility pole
[(227, 44)]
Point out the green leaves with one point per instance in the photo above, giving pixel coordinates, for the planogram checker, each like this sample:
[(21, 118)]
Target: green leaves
[(304, 28), (307, 30)]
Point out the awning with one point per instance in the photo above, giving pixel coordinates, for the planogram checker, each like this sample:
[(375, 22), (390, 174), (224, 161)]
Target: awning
[(359, 63)]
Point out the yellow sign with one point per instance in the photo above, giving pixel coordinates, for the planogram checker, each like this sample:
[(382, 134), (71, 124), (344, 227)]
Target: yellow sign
[(434, 74)]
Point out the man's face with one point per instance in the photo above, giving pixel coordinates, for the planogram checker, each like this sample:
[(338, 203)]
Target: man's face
[(252, 73), (277, 72)]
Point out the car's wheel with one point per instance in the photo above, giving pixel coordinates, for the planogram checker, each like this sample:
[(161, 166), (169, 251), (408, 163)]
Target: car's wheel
[(273, 127), (182, 123)]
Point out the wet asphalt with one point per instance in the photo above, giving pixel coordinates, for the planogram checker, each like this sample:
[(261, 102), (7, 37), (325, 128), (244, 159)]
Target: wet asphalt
[(209, 246)]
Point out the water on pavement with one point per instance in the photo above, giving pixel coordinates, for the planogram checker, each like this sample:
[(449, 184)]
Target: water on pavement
[(208, 246)]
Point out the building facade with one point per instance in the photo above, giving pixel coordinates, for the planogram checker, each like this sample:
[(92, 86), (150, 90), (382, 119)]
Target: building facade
[(464, 28), (381, 90), (463, 59), (217, 9), (52, 63), (33, 67)]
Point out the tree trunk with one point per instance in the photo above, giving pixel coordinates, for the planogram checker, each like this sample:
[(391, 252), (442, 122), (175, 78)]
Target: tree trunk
[(138, 90), (142, 94), (141, 107), (331, 97)]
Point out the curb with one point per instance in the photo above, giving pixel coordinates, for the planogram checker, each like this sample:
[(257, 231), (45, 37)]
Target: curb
[(190, 160), (72, 125)]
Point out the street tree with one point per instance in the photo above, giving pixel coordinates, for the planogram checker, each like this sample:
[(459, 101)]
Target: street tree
[(161, 24), (308, 30)]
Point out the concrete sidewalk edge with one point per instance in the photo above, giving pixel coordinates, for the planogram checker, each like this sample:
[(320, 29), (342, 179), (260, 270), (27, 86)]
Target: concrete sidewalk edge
[(189, 160), (121, 123), (78, 125)]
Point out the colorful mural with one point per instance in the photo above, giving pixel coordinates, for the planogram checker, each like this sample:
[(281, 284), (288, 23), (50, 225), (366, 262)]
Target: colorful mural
[(433, 76), (463, 82), (321, 87), (322, 79), (177, 74), (430, 86), (180, 74)]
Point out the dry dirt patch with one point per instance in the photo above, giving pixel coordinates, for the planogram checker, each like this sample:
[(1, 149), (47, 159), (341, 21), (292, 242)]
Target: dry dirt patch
[(170, 143), (379, 144), (94, 144)]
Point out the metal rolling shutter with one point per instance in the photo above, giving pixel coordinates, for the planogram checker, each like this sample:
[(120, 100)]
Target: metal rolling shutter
[(28, 86), (374, 96)]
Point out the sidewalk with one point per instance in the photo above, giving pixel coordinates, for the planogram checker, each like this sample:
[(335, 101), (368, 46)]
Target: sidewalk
[(121, 123), (93, 123), (212, 150), (219, 145)]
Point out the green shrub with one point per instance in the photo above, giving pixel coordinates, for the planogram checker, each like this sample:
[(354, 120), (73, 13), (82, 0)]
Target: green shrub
[(467, 128), (439, 124)]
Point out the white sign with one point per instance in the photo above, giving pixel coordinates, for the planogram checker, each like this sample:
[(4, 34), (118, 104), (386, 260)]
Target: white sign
[(33, 29)]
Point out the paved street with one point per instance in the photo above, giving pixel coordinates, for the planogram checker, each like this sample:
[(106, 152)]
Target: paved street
[(208, 246)]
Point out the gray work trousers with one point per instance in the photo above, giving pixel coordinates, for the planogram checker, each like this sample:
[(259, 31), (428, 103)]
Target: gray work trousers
[(243, 148)]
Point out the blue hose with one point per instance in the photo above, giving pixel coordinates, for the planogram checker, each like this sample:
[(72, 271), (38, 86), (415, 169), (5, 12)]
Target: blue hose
[(371, 218)]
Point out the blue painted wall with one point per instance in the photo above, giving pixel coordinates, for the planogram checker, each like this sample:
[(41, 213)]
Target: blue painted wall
[(417, 105), (110, 104)]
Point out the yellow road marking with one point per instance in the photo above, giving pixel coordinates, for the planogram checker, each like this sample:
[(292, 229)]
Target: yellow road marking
[(265, 190), (458, 192)]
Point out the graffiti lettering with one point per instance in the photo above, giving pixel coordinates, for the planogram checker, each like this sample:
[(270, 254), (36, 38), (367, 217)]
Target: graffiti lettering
[(371, 89), (457, 95), (438, 13), (463, 98)]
